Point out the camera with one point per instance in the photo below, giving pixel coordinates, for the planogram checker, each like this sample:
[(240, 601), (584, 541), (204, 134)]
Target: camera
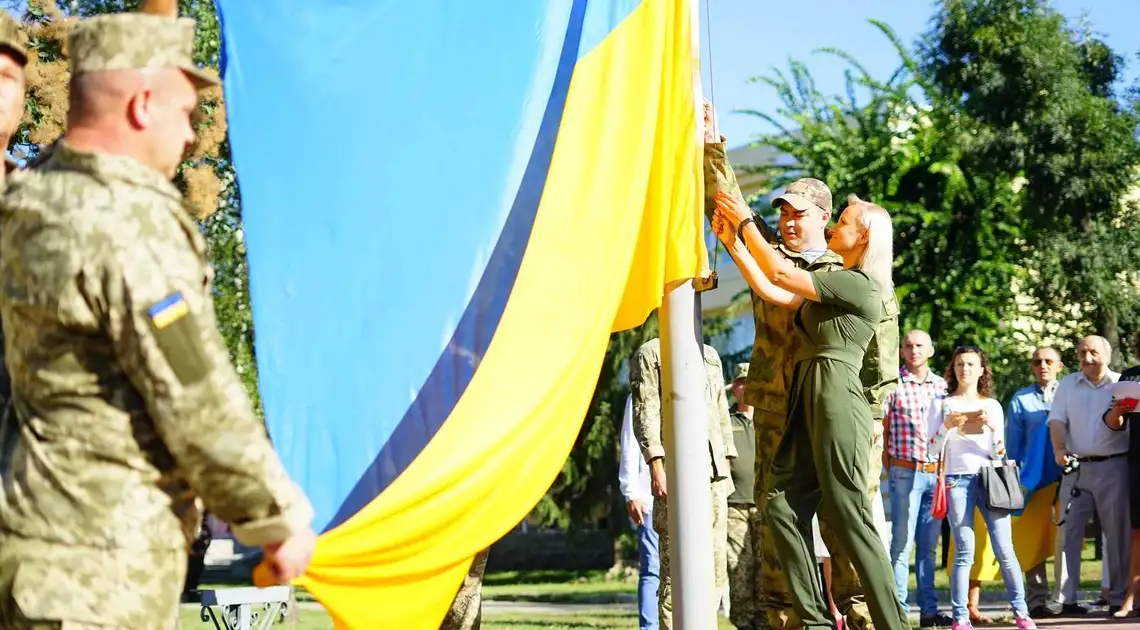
[(1071, 465)]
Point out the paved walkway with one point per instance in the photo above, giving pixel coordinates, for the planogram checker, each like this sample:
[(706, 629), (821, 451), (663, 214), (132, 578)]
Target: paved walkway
[(995, 609)]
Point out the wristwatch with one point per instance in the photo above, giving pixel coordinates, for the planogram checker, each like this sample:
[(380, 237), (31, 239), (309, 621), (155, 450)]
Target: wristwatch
[(740, 229)]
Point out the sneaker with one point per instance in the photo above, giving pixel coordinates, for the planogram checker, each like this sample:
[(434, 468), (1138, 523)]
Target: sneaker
[(1069, 610), (962, 625), (937, 620), (1025, 623), (1042, 612)]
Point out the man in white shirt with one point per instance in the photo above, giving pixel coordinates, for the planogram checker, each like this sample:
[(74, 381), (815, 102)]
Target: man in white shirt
[(1100, 482), (633, 481)]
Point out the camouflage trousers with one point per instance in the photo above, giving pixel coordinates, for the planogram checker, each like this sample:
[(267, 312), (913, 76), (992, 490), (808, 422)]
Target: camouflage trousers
[(467, 608), (719, 552), (48, 586), (773, 594), (743, 567)]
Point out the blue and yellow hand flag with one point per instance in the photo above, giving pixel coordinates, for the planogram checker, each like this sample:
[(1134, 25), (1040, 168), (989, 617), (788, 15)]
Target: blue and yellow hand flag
[(168, 310), (448, 208)]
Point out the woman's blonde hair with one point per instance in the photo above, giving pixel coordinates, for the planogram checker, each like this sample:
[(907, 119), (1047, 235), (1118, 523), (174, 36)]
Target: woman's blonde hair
[(878, 259)]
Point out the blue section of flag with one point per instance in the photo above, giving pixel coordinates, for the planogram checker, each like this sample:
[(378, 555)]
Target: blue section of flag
[(457, 365), (602, 17), (375, 267)]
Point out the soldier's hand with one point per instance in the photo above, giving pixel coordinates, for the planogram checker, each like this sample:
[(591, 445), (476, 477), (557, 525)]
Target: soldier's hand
[(290, 559), (657, 477), (636, 511), (710, 123), (733, 207)]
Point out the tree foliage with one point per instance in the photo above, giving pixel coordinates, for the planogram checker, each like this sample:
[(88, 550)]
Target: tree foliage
[(1044, 92), (1005, 159), (585, 492)]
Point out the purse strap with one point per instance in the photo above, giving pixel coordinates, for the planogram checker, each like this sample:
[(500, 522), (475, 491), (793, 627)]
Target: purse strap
[(942, 453)]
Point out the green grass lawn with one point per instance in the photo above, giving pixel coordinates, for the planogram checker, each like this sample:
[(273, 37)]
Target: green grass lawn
[(560, 587)]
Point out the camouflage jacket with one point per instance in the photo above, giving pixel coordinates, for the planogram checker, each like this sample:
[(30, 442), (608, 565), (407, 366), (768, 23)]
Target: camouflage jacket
[(126, 412), (5, 380), (774, 350), (880, 373), (645, 381)]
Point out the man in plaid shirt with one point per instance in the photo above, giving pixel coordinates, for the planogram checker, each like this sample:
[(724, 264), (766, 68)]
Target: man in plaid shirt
[(913, 474)]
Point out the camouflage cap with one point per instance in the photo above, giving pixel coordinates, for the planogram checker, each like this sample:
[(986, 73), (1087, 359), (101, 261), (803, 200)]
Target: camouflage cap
[(740, 372), (806, 193), (12, 38), (123, 41)]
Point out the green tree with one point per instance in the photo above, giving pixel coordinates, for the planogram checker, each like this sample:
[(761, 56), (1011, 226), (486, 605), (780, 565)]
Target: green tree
[(1005, 159), (585, 492), (1045, 93)]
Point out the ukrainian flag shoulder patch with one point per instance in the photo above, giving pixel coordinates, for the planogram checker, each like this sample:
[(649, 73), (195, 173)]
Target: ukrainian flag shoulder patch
[(168, 310)]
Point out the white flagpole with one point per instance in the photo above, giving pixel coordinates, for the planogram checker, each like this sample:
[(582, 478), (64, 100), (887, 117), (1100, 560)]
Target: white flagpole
[(686, 421)]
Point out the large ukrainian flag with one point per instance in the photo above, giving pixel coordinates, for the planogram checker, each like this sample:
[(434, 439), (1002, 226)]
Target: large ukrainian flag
[(448, 207)]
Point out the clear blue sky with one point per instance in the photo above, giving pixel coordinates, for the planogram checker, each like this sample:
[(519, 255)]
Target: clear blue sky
[(750, 37)]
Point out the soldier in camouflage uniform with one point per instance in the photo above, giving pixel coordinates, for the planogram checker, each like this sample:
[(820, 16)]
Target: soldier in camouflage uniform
[(467, 608), (13, 60), (805, 210), (743, 517), (126, 412), (645, 381)]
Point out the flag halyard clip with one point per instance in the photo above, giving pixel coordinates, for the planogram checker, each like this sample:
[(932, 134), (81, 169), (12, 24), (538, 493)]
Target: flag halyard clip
[(708, 283)]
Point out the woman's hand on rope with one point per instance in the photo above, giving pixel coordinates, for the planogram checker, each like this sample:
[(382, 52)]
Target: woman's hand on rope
[(723, 229)]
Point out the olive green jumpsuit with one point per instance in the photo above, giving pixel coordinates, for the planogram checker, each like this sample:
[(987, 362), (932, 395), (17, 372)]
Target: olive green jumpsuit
[(822, 461)]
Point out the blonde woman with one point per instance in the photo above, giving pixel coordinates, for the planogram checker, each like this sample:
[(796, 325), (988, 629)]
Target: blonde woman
[(822, 461)]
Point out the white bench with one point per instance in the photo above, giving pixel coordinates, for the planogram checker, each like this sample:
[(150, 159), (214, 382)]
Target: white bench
[(237, 604)]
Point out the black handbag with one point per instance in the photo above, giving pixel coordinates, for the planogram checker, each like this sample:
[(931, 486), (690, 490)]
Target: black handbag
[(1002, 485)]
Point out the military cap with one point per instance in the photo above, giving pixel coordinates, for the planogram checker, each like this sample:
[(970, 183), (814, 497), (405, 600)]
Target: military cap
[(741, 371), (12, 38), (125, 41), (806, 193)]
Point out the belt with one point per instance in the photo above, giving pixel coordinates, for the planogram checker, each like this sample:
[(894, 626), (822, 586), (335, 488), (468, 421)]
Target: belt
[(912, 465), (1099, 458)]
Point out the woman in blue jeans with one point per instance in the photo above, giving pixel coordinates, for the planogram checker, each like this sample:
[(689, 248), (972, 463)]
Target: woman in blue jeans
[(968, 426)]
